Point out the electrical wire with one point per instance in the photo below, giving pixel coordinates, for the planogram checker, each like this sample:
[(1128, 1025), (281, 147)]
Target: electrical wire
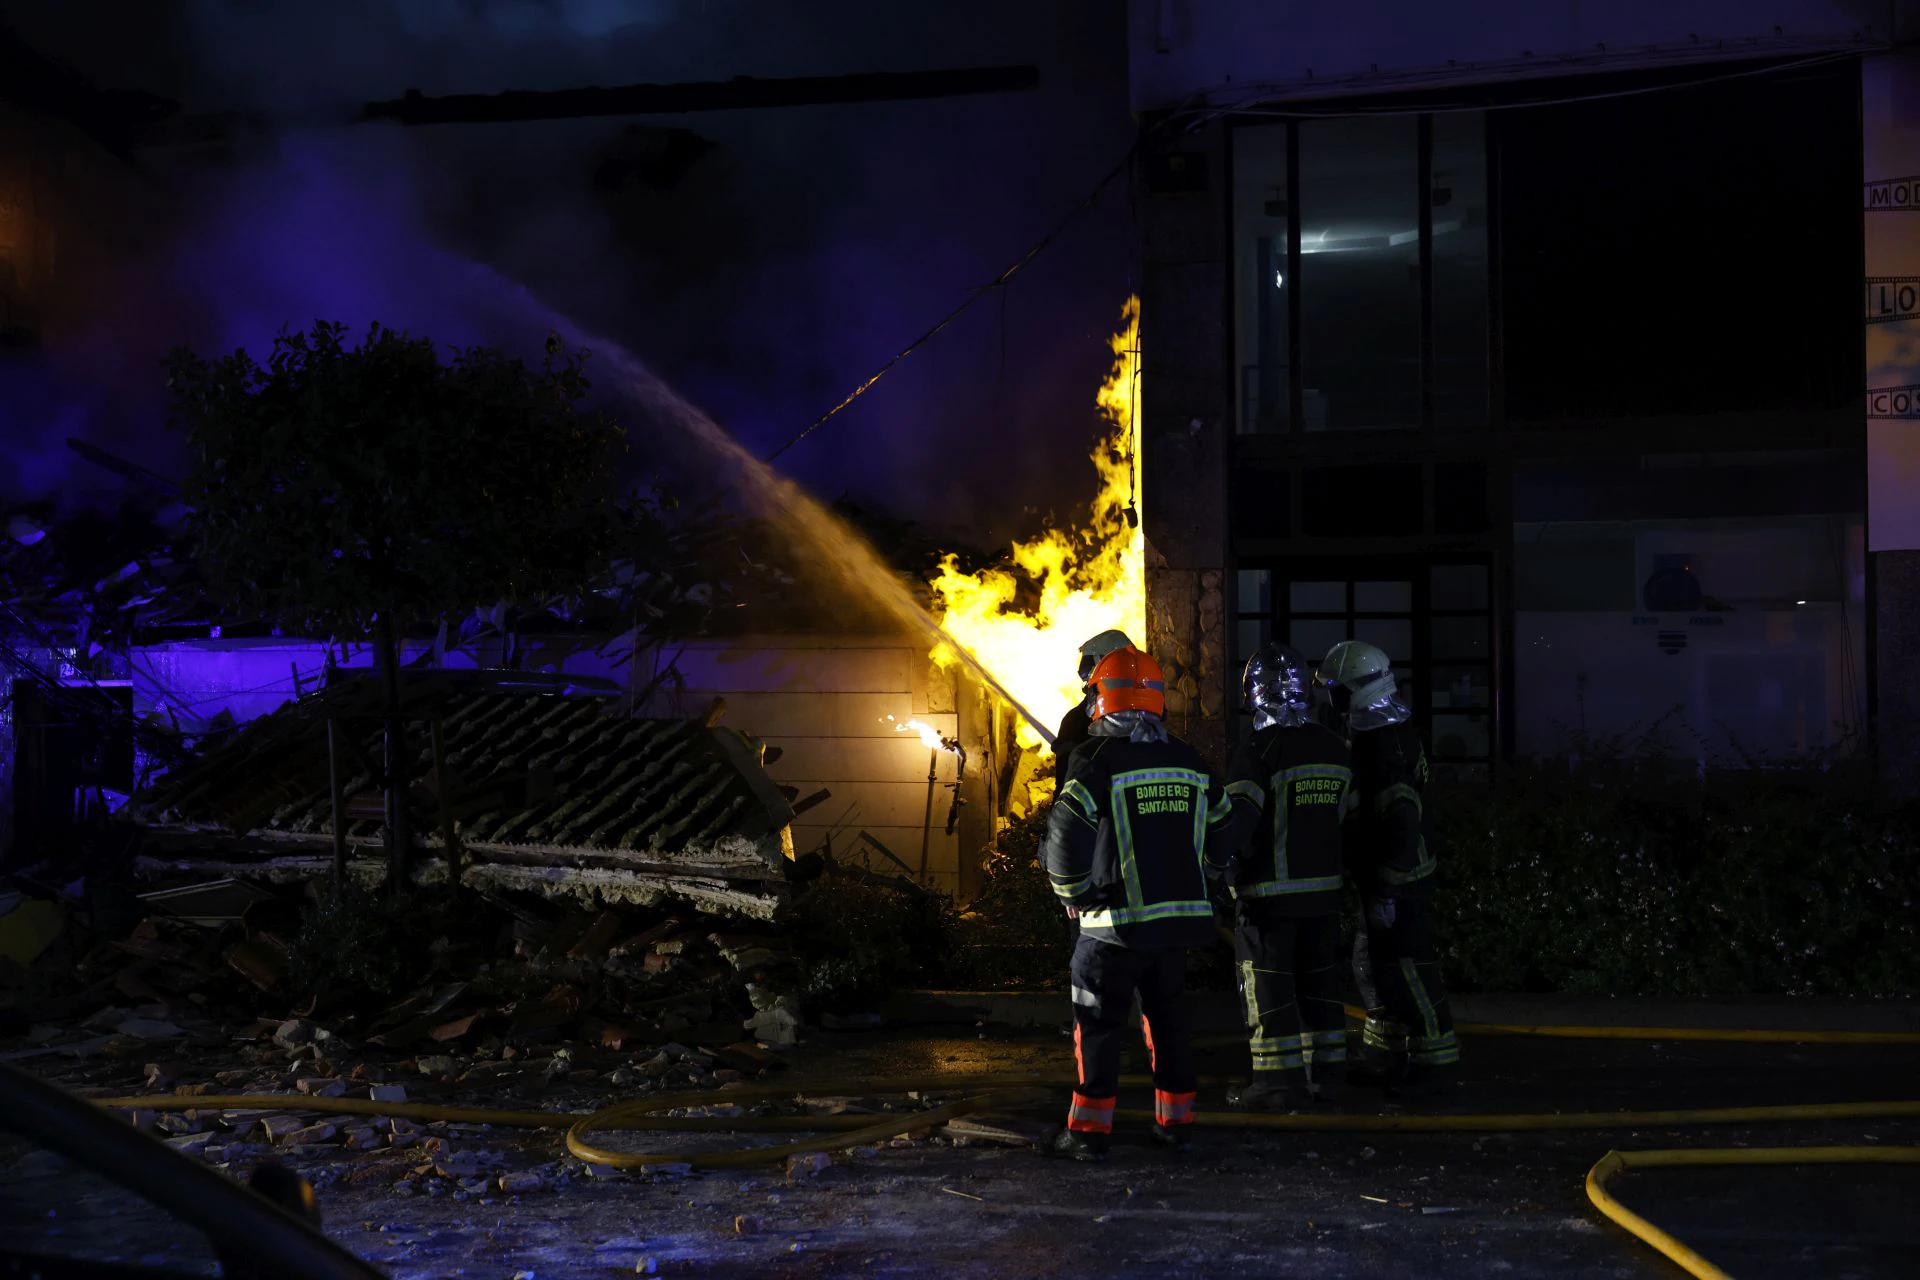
[(997, 283), (1563, 100)]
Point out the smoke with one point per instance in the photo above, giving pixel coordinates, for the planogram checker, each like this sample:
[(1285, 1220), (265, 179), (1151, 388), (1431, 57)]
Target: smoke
[(765, 262)]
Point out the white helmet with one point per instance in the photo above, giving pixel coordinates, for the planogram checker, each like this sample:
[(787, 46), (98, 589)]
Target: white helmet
[(1358, 677)]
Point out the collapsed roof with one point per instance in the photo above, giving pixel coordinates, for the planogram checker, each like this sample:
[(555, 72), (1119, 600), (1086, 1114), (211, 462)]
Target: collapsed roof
[(544, 781)]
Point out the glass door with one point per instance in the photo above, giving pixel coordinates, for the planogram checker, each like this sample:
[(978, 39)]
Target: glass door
[(1433, 619)]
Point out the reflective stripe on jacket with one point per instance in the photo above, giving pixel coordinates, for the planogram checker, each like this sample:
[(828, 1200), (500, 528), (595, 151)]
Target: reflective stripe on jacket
[(1127, 842), (1390, 839), (1290, 790)]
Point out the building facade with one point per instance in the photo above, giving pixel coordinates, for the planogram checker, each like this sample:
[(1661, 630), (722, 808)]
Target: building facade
[(1527, 342)]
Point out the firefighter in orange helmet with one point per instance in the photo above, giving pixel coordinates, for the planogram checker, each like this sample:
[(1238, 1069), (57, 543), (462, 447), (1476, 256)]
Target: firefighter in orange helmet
[(1126, 849)]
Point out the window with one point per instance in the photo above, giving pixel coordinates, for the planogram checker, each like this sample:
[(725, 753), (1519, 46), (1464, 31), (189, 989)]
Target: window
[(1361, 501), (1261, 214), (1457, 195), (1434, 621), (1361, 273)]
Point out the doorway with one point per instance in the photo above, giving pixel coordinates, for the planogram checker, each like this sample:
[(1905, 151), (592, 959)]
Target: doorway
[(1432, 616)]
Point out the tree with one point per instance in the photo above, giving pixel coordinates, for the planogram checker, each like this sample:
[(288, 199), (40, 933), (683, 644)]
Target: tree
[(352, 491)]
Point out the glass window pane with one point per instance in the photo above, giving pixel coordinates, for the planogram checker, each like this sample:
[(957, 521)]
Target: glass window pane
[(1249, 635), (1314, 636), (1460, 278), (1260, 500), (1458, 737), (1360, 273), (1256, 591), (1459, 586), (1260, 217), (1458, 637), (1462, 687), (1383, 597), (1317, 597), (1395, 635)]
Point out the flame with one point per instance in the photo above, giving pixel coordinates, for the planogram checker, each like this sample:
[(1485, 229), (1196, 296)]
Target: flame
[(929, 736), (1091, 578)]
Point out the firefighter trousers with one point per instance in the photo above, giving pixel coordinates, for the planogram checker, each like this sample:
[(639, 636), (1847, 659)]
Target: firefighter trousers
[(1407, 1014), (1290, 988), (1105, 979)]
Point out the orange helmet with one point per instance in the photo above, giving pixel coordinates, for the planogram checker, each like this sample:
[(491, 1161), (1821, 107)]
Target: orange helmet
[(1128, 680)]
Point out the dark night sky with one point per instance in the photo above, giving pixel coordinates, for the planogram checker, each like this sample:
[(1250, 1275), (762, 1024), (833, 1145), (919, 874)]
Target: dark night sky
[(795, 258)]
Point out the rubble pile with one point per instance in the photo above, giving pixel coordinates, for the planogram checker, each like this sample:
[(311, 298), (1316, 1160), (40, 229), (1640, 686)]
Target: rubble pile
[(520, 782)]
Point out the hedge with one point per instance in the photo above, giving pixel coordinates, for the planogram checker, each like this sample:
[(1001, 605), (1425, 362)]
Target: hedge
[(1603, 876), (1611, 876)]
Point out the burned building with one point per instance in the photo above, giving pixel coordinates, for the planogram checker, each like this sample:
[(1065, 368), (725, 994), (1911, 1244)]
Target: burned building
[(1526, 343)]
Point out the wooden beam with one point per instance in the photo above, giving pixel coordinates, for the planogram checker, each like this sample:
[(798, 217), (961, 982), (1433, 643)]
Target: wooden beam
[(743, 93)]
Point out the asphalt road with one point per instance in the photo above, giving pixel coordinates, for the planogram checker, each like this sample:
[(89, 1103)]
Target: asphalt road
[(1252, 1204)]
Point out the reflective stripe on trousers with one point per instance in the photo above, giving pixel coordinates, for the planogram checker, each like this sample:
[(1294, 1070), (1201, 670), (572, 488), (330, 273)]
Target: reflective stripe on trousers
[(1172, 1108), (1092, 1115)]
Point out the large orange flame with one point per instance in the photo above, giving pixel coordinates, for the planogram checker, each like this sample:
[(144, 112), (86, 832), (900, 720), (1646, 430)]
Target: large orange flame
[(1090, 579)]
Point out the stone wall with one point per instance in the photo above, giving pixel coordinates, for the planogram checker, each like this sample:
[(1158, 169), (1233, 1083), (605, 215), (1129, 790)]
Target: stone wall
[(1186, 408)]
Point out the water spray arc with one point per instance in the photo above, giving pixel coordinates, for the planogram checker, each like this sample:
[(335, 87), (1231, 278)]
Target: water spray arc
[(839, 546)]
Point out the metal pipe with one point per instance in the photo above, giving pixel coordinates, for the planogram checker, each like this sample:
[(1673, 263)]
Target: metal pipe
[(449, 838), (337, 798), (926, 825)]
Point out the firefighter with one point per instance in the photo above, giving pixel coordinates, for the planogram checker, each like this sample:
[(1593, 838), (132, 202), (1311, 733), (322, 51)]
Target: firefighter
[(1290, 787), (1077, 724), (1408, 1045), (1126, 850)]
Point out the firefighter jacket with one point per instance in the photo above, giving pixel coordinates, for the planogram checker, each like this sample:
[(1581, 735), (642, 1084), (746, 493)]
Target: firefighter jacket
[(1390, 837), (1290, 789), (1075, 728), (1127, 842)]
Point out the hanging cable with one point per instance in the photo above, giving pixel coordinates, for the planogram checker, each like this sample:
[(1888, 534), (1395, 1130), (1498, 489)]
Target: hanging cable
[(1249, 105), (998, 282)]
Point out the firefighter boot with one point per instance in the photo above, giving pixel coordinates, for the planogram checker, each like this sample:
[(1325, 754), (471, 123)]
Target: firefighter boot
[(1269, 1093), (1177, 1138), (1070, 1144), (1421, 1081)]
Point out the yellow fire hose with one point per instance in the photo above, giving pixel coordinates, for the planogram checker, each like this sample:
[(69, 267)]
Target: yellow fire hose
[(982, 1091), (838, 1132), (1724, 1036), (1615, 1161)]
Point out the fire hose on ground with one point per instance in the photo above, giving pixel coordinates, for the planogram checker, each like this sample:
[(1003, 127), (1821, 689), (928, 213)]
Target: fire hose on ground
[(840, 1132)]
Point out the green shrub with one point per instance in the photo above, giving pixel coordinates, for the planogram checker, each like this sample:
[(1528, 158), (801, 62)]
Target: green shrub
[(856, 940), (1612, 876), (361, 945), (1014, 933)]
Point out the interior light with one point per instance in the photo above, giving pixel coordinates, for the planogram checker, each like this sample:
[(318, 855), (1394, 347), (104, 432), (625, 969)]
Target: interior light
[(1799, 601), (1279, 280)]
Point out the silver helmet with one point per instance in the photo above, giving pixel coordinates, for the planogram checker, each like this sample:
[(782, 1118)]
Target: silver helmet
[(1099, 647), (1358, 677), (1278, 687)]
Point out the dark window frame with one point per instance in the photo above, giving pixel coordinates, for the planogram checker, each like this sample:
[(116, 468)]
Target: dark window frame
[(1285, 570), (1295, 425)]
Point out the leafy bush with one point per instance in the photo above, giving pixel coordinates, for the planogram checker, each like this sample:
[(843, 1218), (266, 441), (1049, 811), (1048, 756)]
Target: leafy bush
[(857, 939), (361, 945), (1609, 875), (1014, 934)]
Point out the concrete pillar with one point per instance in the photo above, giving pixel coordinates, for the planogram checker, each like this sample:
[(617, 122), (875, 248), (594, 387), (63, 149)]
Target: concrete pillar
[(1186, 410), (1890, 151)]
